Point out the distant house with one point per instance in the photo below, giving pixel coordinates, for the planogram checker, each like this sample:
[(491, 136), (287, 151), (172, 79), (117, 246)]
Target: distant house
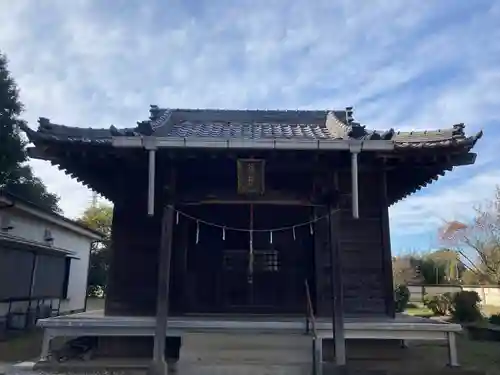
[(44, 262)]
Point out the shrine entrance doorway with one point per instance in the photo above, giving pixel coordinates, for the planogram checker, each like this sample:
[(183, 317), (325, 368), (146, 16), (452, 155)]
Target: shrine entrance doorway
[(253, 260)]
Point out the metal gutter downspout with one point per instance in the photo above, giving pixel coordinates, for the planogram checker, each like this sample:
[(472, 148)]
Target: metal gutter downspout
[(151, 146), (355, 148)]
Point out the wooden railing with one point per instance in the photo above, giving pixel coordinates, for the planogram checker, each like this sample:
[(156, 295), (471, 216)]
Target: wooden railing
[(311, 321)]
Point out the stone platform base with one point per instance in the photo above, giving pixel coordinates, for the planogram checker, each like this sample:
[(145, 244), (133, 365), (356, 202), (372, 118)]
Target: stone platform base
[(139, 367), (218, 354)]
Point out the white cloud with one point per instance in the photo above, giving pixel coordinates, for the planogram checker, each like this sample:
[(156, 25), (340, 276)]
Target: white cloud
[(409, 64), (425, 213)]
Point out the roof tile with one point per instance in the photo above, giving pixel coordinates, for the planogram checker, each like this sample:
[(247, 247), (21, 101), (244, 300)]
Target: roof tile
[(254, 124)]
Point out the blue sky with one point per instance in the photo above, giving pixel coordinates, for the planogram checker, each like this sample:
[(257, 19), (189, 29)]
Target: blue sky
[(405, 64)]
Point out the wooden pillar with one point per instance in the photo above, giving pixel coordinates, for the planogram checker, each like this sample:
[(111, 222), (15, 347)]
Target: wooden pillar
[(158, 365), (321, 255), (386, 247), (184, 303), (337, 289)]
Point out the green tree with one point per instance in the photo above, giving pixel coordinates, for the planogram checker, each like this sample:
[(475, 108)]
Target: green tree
[(12, 152), (15, 176), (99, 217), (27, 186), (432, 272), (449, 262)]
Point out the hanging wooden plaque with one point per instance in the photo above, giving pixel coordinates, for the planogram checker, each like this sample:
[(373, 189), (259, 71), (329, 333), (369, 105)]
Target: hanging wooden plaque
[(251, 174)]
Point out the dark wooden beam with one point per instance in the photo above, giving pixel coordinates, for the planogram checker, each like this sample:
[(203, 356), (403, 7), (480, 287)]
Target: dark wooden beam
[(406, 180), (158, 365), (463, 159), (386, 246), (39, 153), (198, 195), (337, 289)]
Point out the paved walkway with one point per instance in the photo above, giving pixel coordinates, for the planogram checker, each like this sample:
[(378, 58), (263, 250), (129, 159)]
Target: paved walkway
[(3, 367)]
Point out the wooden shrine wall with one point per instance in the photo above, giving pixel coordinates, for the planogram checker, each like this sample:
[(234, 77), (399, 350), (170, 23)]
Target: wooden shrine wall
[(132, 278), (364, 250), (363, 243)]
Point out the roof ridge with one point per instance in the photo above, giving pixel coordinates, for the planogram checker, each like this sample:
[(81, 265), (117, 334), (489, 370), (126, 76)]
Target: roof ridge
[(155, 109)]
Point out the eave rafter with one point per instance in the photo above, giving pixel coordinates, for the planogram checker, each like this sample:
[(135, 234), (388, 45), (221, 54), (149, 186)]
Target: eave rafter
[(427, 153), (415, 173), (77, 165)]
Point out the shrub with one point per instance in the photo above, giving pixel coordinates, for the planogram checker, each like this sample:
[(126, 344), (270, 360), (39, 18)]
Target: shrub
[(495, 319), (465, 306), (401, 297), (95, 291), (440, 304)]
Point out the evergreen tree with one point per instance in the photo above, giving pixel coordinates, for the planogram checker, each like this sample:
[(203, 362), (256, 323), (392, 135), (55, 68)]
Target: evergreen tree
[(12, 152), (16, 177)]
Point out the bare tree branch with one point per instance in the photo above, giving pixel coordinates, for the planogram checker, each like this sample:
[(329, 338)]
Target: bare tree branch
[(478, 242)]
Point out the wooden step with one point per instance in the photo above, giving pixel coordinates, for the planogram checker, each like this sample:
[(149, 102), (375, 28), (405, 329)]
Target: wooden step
[(231, 349)]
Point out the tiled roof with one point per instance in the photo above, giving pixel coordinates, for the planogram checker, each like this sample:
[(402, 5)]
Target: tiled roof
[(254, 124), (246, 124)]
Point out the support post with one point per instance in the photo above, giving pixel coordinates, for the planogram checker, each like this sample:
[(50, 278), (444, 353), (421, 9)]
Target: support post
[(159, 365), (45, 351), (151, 181), (386, 245), (452, 350), (317, 356), (34, 266), (337, 292)]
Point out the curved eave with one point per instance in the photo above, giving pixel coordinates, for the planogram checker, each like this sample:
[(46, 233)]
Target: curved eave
[(329, 125), (454, 142), (464, 158), (418, 188), (65, 134), (83, 181)]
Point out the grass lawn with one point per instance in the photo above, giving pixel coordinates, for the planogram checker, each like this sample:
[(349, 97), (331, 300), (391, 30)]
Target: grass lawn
[(419, 311), (473, 355), (23, 346), (480, 355)]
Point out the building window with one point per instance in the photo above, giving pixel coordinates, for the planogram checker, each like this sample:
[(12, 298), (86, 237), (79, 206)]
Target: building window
[(267, 260), (6, 223), (48, 238), (263, 260)]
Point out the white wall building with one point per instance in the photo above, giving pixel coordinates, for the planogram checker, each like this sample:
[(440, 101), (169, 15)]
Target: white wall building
[(44, 262)]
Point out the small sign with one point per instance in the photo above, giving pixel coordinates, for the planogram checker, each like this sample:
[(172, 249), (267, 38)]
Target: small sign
[(251, 174)]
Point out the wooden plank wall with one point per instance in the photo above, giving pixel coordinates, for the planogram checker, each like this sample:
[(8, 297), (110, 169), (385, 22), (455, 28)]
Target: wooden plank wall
[(132, 278), (362, 246)]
